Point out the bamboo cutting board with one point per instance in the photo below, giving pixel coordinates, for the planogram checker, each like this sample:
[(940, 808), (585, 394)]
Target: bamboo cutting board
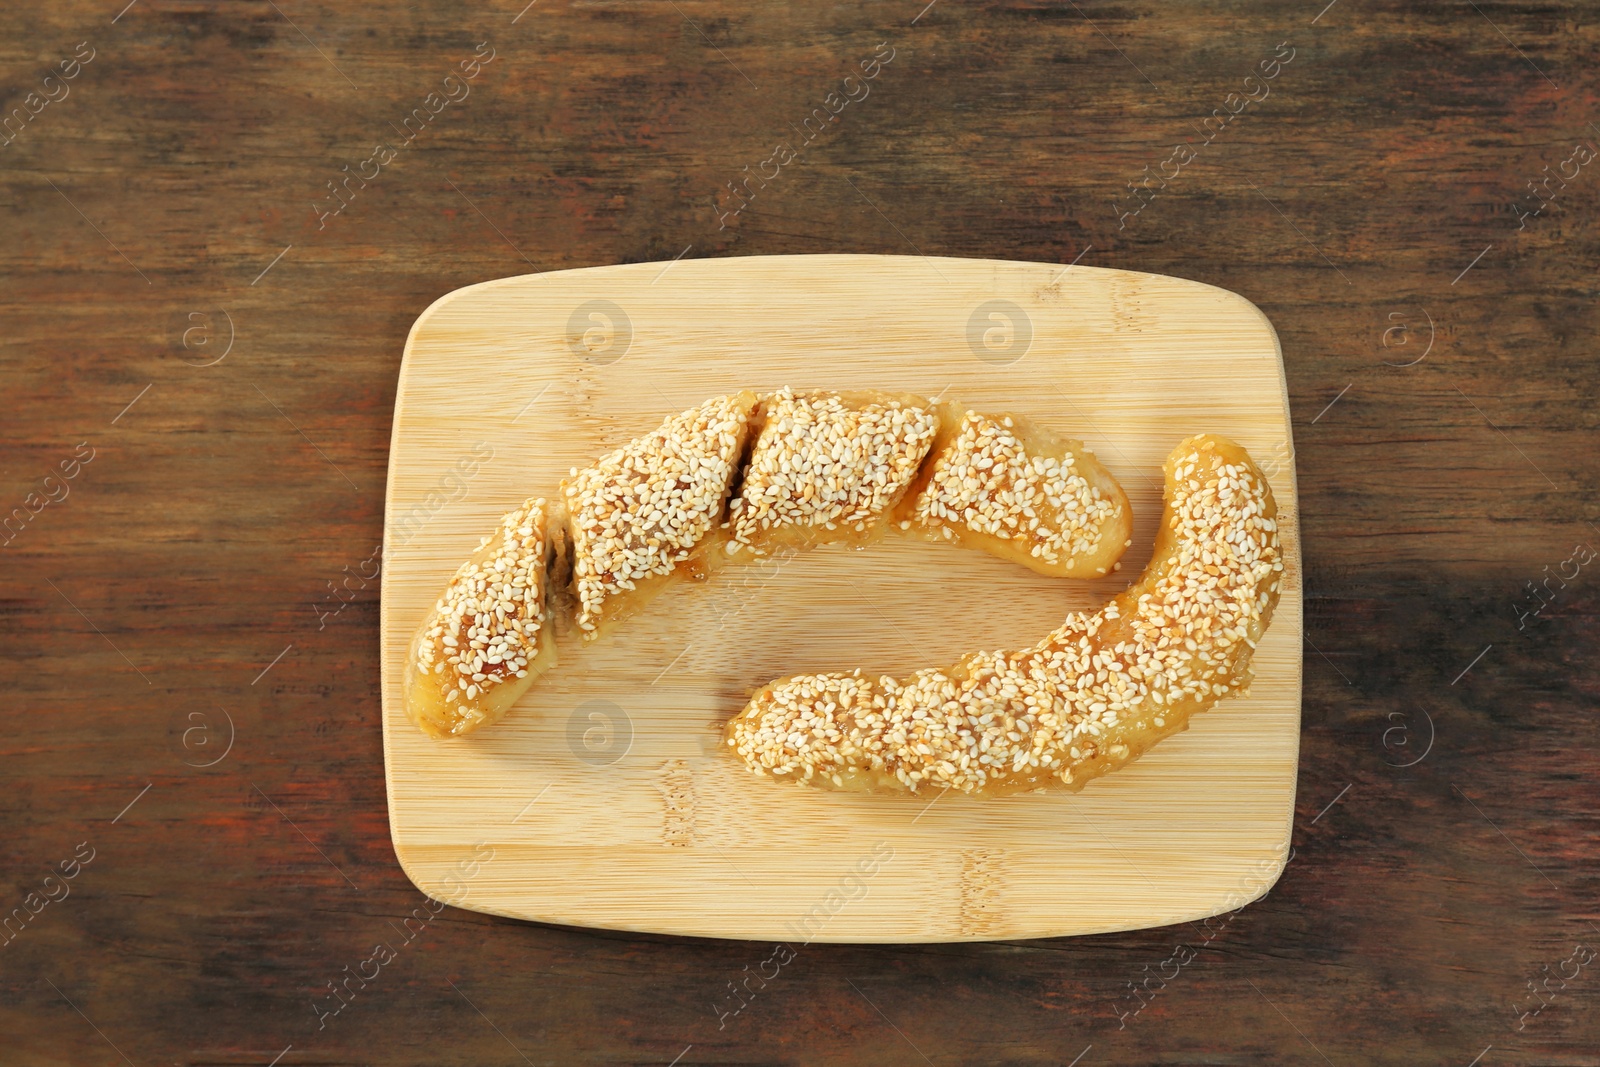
[(604, 798)]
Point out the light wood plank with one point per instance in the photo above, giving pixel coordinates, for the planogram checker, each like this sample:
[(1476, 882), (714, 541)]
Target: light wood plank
[(675, 836)]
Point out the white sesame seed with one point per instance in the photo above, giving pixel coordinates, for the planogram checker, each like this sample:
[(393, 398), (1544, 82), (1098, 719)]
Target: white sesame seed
[(1087, 699), (489, 621), (986, 481), (641, 510), (825, 461)]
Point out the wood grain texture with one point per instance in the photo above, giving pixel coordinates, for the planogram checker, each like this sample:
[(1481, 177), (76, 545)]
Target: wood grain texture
[(550, 371), (200, 541)]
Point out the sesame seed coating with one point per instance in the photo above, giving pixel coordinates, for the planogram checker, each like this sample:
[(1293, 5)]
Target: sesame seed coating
[(986, 480), (1093, 695), (485, 632), (641, 510), (823, 463)]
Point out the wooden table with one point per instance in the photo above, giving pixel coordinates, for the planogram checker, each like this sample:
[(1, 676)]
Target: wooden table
[(200, 362)]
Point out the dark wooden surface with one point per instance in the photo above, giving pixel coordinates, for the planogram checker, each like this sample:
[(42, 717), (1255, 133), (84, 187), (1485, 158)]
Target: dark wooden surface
[(141, 609)]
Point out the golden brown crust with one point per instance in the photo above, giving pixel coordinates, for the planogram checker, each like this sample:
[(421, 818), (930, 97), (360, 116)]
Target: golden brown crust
[(1017, 491), (649, 513), (1093, 695), (487, 638), (828, 467)]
